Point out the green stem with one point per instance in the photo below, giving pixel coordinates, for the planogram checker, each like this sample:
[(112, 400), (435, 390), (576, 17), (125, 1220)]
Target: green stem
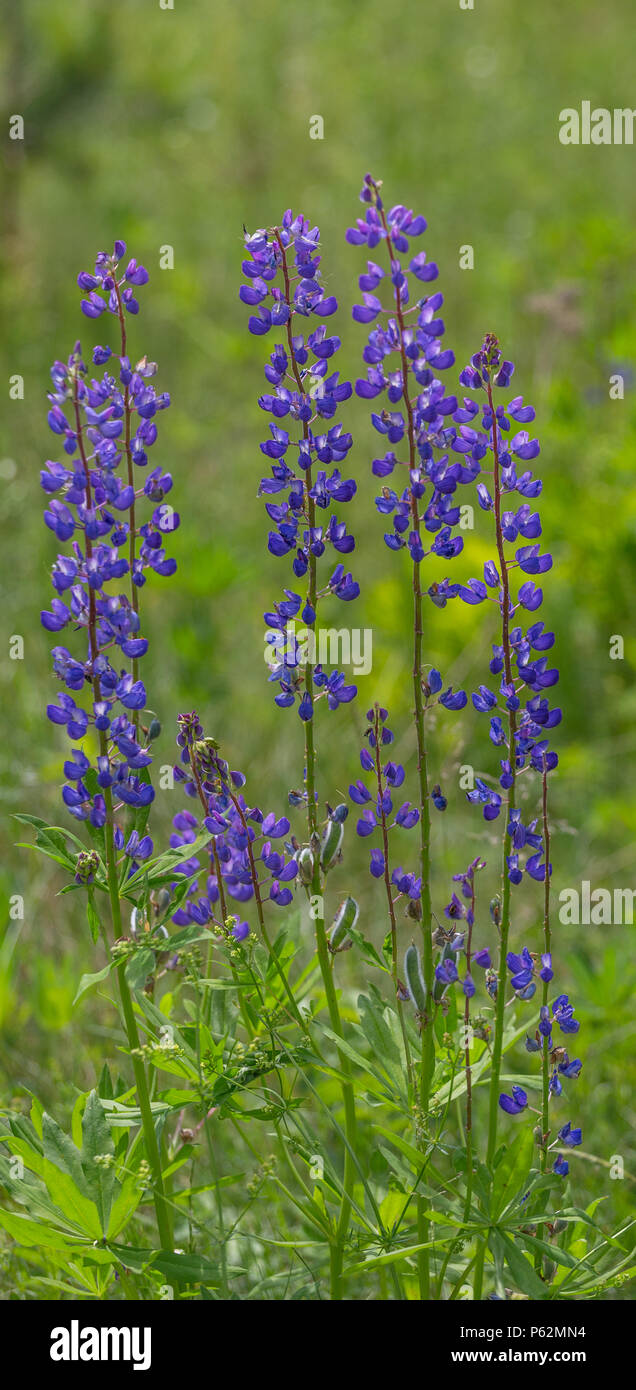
[(134, 592), (317, 886), (547, 936), (545, 1050), (495, 1073), (389, 898), (164, 1224), (428, 1035)]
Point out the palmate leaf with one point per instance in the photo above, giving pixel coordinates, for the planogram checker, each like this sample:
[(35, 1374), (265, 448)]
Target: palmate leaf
[(52, 841), (30, 1192)]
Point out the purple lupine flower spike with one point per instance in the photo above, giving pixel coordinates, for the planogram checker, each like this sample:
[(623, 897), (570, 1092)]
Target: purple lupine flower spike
[(106, 425), (305, 484), (251, 856), (409, 344)]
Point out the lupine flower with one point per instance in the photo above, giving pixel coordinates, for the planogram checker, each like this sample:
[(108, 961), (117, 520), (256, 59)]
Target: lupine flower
[(106, 425), (250, 854), (514, 1104), (446, 970), (563, 1013), (570, 1137), (377, 801), (481, 431), (420, 412), (282, 268), (524, 968)]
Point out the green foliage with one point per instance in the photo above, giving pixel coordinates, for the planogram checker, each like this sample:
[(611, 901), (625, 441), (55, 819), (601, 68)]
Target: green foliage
[(247, 1109)]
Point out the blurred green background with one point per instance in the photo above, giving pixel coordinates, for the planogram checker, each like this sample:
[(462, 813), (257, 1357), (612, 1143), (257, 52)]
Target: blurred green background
[(175, 127)]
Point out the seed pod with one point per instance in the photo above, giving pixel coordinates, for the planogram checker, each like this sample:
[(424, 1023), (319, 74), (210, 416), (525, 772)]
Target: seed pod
[(414, 978), (332, 841), (346, 918), (306, 865), (495, 910)]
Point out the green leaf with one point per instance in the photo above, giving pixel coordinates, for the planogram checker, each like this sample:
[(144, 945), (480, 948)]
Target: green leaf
[(512, 1171), (521, 1269), (87, 981), (187, 937), (187, 1269), (105, 1084), (97, 1140), (125, 1204), (553, 1252), (391, 1257), (66, 1195), (31, 1233), (61, 1152), (138, 967), (162, 868), (92, 917), (368, 949)]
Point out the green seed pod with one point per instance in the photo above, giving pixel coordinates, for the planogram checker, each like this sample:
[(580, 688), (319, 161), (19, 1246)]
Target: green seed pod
[(331, 844), (346, 918), (414, 978), (162, 900), (306, 865)]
